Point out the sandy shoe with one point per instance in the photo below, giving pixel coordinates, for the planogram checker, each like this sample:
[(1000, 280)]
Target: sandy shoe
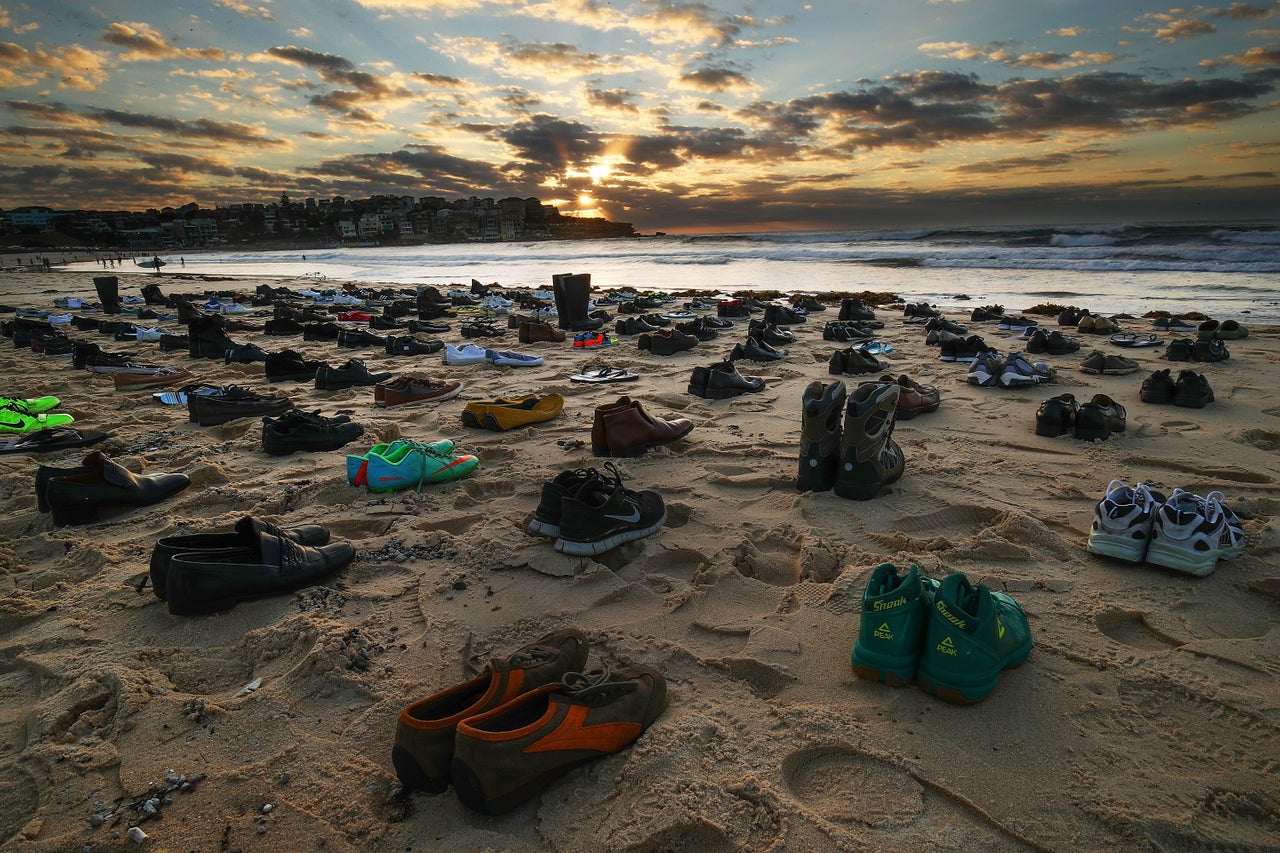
[(895, 608)]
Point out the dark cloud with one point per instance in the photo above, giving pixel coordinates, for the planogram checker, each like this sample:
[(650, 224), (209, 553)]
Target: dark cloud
[(418, 167), (201, 129), (613, 99), (1245, 11), (336, 69), (553, 142), (440, 80), (715, 79)]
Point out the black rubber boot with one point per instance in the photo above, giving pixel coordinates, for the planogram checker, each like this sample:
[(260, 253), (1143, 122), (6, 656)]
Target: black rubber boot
[(821, 410), (108, 287), (577, 302)]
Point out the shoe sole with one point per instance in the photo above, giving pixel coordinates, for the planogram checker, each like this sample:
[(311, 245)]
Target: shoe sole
[(1117, 547), (1182, 559)]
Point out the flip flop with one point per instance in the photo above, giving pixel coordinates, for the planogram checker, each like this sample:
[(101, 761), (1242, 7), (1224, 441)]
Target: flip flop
[(49, 440), (605, 374), (1129, 339)]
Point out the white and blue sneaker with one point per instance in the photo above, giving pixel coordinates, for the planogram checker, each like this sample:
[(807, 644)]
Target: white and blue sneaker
[(985, 369), (1122, 522), (1188, 534), (465, 354), (512, 359)]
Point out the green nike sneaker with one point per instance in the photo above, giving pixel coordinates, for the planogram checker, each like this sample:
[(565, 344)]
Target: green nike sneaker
[(32, 405), (894, 611), (972, 634)]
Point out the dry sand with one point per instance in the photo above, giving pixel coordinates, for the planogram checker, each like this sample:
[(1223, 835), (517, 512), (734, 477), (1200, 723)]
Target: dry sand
[(1147, 717)]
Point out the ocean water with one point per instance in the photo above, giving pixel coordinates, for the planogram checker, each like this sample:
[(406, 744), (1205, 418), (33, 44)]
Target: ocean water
[(1224, 271)]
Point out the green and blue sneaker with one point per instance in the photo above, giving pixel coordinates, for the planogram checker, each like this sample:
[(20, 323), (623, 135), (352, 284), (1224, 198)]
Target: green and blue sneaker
[(972, 634), (412, 465), (358, 464), (894, 611)]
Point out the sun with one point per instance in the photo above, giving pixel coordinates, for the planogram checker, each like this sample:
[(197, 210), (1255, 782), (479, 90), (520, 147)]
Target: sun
[(586, 200), (599, 172)]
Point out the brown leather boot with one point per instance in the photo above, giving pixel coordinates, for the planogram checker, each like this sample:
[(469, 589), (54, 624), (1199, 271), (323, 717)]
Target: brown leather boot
[(624, 428)]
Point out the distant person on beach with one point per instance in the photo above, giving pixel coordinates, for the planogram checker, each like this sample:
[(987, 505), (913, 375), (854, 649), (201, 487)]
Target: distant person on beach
[(155, 261), (182, 261)]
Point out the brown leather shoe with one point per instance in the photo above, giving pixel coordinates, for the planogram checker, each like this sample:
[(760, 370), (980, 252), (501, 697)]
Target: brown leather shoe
[(915, 399), (414, 389), (624, 428), (533, 332), (167, 376)]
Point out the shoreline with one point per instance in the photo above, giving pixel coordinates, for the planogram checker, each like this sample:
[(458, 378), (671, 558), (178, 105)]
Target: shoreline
[(1147, 708)]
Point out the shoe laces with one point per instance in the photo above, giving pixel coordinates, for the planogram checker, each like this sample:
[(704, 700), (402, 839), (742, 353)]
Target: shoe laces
[(593, 688)]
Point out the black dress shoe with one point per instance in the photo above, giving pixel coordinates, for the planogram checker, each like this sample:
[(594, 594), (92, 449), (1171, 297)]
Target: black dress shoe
[(244, 536), (756, 350), (307, 431), (245, 354), (354, 338), (101, 487), (347, 375), (722, 381), (320, 332), (288, 366), (282, 326), (413, 346), (769, 332), (209, 581), (233, 402), (427, 327)]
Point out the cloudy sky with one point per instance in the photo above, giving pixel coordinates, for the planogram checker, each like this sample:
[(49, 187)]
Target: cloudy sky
[(677, 115)]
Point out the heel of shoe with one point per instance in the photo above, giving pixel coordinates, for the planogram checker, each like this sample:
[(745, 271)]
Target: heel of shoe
[(817, 473), (411, 775), (859, 481)]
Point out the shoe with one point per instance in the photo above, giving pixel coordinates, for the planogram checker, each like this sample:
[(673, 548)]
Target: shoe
[(533, 332), (1172, 324), (869, 457), (666, 342), (782, 315), (972, 634), (1209, 350), (624, 428), (164, 376), (987, 312), (1179, 350), (208, 581), (821, 410), (914, 398), (1069, 316), (853, 361), (350, 374), (699, 328), (1053, 343), (412, 346), (288, 366), (411, 390), (547, 515), (853, 308), (465, 354), (722, 381), (602, 514), (482, 329), (230, 403), (895, 609), (510, 358), (844, 332), (311, 432), (425, 327), (1057, 416), (1019, 372), (1189, 533), (1104, 326), (282, 326), (245, 354), (357, 338), (31, 406), (1158, 388), (502, 415), (1109, 365), (633, 326), (1231, 330), (1191, 390), (320, 332), (942, 324), (243, 536), (506, 757), (425, 733), (962, 350), (1122, 521), (985, 369), (1099, 418), (100, 486), (408, 465), (769, 333), (920, 309)]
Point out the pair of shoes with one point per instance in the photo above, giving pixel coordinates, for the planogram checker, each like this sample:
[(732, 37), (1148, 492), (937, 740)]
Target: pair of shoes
[(1185, 532), (634, 326), (942, 324), (1190, 390), (988, 312), (704, 329), (587, 340), (783, 315), (1016, 324), (245, 354), (588, 512), (350, 374), (506, 735), (482, 329), (19, 416), (1172, 324), (600, 373), (854, 360), (722, 381), (207, 572), (953, 639), (1228, 330), (231, 402), (920, 309), (296, 430), (913, 398), (409, 390), (1051, 342), (1209, 350), (990, 369), (412, 346), (1099, 362), (510, 413), (1097, 419), (99, 486), (963, 349), (855, 459), (1097, 325), (407, 465), (624, 428), (854, 308), (845, 331), (666, 342), (756, 348), (1133, 340)]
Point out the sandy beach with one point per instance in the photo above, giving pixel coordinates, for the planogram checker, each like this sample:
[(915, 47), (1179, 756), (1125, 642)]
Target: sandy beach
[(1147, 716)]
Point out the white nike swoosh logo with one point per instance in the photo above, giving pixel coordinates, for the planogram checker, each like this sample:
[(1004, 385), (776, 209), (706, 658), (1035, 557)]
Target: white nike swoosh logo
[(632, 518)]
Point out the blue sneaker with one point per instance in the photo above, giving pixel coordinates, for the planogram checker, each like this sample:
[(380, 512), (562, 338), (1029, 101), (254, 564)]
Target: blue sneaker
[(358, 464), (412, 465)]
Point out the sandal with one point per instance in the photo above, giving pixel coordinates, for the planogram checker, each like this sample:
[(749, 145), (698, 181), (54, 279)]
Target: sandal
[(605, 374), (1130, 339), (49, 440)]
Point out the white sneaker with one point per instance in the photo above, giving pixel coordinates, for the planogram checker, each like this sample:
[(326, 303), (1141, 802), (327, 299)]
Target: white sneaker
[(145, 334), (1122, 522), (465, 354), (1188, 534), (1232, 531), (985, 369)]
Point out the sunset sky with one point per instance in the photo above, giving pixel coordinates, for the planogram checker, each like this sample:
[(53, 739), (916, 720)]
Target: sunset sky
[(671, 115)]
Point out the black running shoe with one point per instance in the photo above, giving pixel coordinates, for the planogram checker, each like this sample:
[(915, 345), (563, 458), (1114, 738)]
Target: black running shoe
[(296, 430), (1158, 388), (346, 376), (1192, 390), (602, 515)]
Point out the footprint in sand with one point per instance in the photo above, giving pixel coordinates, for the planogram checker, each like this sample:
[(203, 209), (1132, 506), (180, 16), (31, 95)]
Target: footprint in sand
[(1130, 628), (884, 797), (1262, 439)]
